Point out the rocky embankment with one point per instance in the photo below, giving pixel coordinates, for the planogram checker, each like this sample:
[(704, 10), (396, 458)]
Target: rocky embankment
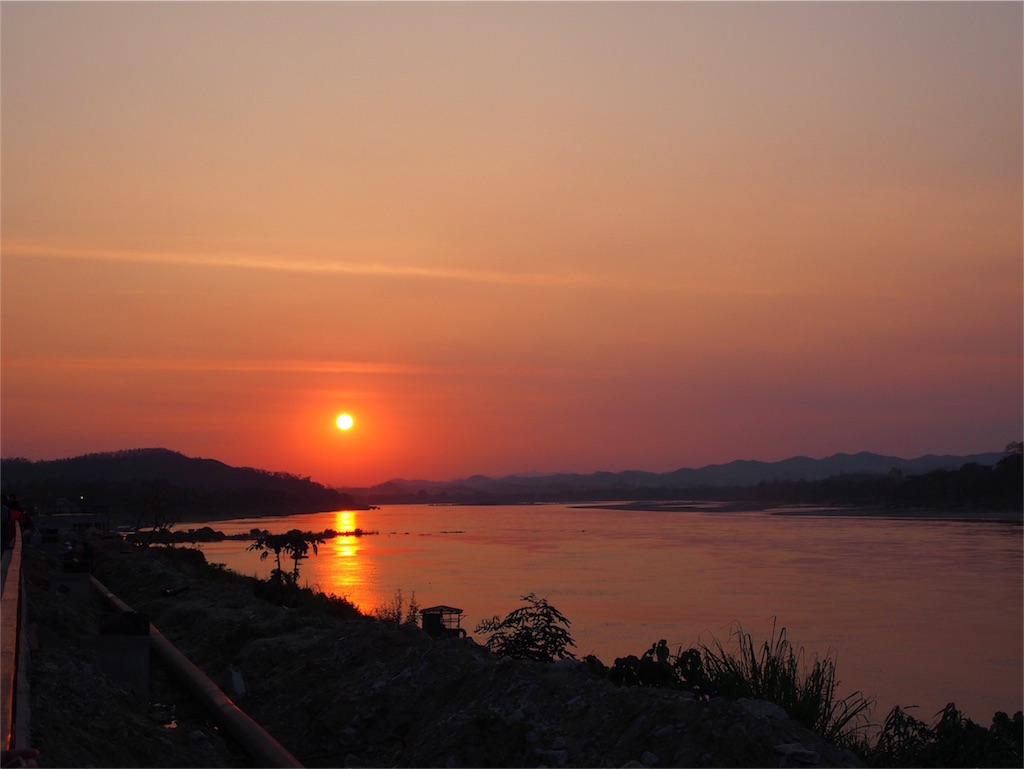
[(360, 692)]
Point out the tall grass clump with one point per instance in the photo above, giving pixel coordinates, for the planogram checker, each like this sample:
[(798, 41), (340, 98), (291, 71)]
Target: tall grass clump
[(777, 671), (951, 741), (397, 612)]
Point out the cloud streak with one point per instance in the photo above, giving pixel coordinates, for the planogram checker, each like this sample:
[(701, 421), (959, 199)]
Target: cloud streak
[(592, 280), (313, 266), (292, 366), (212, 365)]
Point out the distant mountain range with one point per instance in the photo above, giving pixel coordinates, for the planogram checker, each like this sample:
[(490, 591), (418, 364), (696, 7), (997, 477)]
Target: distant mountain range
[(740, 473), (164, 480)]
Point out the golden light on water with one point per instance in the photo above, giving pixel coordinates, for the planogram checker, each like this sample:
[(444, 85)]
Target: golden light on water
[(346, 571), (345, 520), (345, 546)]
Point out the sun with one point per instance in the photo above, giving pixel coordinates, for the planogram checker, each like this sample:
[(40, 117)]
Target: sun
[(344, 422)]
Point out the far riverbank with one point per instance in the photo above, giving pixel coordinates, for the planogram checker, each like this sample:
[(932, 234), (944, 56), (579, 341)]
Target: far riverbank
[(989, 515)]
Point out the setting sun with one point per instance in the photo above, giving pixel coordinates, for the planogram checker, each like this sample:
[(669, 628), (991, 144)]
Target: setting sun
[(344, 421)]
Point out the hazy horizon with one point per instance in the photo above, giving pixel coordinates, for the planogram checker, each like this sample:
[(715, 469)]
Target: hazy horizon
[(504, 236), (519, 474)]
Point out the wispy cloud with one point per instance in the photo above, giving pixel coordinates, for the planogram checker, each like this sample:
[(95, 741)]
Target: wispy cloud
[(314, 266), (291, 366), (650, 281), (213, 365)]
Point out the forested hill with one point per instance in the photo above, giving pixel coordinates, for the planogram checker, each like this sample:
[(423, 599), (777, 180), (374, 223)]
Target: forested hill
[(990, 479), (164, 482)]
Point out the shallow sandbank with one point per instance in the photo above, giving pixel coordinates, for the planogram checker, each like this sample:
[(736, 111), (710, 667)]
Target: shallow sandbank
[(1003, 516), (997, 516)]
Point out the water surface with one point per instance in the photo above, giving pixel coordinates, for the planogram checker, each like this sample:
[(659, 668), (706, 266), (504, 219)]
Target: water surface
[(919, 612)]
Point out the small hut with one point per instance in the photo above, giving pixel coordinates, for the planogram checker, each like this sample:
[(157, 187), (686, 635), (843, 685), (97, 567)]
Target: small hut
[(442, 621)]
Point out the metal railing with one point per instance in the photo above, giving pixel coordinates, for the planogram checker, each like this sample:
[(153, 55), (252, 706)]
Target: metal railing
[(250, 735), (14, 666), (13, 649)]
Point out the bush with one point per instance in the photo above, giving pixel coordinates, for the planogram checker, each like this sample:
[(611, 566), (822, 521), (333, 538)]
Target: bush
[(779, 674), (533, 632), (951, 741), (776, 673), (657, 667), (396, 612)]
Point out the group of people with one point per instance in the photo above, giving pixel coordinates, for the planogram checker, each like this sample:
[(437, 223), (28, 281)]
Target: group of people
[(12, 512), (19, 757)]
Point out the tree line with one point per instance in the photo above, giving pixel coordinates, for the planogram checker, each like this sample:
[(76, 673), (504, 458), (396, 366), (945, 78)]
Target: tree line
[(160, 485), (971, 485)]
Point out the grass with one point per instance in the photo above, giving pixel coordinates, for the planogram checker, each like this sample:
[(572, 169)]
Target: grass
[(950, 741), (777, 671), (397, 612)]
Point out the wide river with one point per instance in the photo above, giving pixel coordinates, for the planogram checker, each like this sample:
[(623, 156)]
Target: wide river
[(917, 612)]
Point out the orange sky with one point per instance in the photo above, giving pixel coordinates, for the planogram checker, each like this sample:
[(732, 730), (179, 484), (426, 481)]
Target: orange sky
[(510, 237)]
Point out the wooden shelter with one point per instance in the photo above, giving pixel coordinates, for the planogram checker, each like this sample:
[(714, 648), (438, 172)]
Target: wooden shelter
[(442, 621)]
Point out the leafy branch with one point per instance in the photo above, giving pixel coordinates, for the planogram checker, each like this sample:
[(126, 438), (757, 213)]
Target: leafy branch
[(537, 631)]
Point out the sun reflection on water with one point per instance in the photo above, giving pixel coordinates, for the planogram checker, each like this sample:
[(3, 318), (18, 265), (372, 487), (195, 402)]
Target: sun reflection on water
[(346, 569), (345, 546)]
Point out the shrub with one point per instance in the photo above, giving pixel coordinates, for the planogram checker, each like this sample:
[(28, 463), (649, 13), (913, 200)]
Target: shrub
[(951, 741), (327, 604), (396, 612), (533, 632), (657, 667), (778, 673)]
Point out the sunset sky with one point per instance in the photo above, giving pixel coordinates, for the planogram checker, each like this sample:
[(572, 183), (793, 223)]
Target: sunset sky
[(510, 237)]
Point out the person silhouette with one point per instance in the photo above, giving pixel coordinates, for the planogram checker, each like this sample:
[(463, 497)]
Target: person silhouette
[(19, 757)]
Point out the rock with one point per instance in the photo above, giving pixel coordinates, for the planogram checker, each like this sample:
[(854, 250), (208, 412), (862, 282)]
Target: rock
[(350, 736), (647, 758), (576, 705), (236, 682), (566, 665), (849, 759), (512, 716), (736, 731), (555, 757), (794, 751), (763, 708)]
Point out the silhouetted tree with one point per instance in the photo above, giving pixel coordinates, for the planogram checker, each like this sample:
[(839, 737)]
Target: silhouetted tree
[(295, 544), (532, 632)]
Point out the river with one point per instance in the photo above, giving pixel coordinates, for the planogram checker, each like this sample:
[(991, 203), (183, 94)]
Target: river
[(916, 611)]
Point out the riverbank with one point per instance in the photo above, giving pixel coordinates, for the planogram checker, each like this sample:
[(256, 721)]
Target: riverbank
[(356, 691), (980, 516), (820, 511)]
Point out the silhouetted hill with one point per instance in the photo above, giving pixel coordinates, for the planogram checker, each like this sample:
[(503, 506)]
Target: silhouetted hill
[(710, 480), (137, 465), (159, 481)]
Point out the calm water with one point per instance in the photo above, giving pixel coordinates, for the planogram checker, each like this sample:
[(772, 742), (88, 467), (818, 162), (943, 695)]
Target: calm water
[(918, 612)]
